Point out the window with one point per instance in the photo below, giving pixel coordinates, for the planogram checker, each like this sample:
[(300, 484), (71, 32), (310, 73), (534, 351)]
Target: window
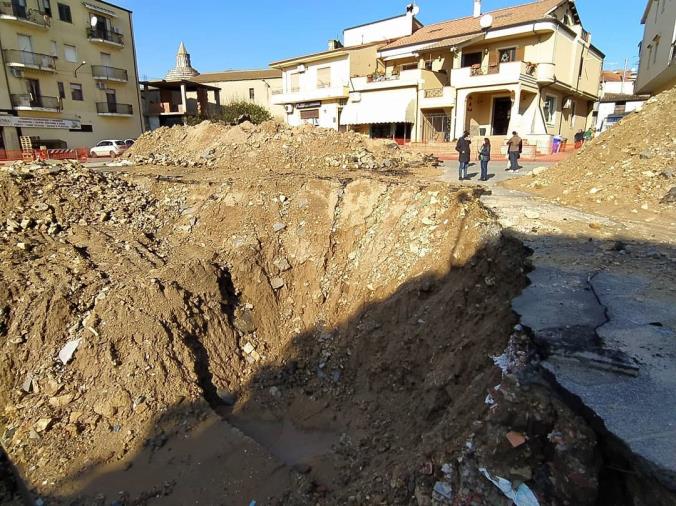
[(507, 55), (64, 13), (650, 56), (83, 128), (620, 107), (470, 59), (550, 109), (76, 91), (54, 48), (324, 77), (252, 94), (62, 90), (657, 10), (294, 85), (657, 46), (409, 66), (46, 7), (70, 53)]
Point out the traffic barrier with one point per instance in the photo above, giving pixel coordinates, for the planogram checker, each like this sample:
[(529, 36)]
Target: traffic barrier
[(81, 154)]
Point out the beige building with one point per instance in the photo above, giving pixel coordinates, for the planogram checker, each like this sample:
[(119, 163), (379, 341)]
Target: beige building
[(657, 71), (530, 68), (257, 86), (315, 87), (69, 76)]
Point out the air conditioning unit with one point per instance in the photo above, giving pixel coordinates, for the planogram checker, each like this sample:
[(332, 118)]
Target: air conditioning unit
[(18, 73), (289, 108), (301, 68), (100, 85)]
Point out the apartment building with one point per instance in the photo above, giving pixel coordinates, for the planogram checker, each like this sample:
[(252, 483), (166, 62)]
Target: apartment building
[(69, 76), (315, 87), (657, 70), (257, 86)]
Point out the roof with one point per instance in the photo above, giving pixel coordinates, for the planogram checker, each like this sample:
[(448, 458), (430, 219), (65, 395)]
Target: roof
[(508, 16), (331, 52), (114, 5), (646, 12), (190, 85), (621, 97), (414, 19), (615, 76), (238, 75), (454, 41)]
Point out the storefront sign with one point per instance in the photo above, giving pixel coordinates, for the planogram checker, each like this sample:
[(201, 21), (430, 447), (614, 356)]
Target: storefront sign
[(15, 121), (308, 105)]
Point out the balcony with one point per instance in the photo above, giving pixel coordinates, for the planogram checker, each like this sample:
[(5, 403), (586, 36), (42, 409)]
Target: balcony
[(438, 97), (24, 16), (103, 73), (381, 82), (511, 73), (29, 61), (296, 95), (28, 102), (107, 37), (114, 109)]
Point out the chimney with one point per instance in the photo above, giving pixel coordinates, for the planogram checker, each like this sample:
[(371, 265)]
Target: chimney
[(477, 8), (334, 44)]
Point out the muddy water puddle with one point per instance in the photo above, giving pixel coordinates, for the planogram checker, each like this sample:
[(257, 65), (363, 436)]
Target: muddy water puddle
[(285, 441)]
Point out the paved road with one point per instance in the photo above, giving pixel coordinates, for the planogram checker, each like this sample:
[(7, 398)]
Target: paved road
[(604, 316), (496, 171)]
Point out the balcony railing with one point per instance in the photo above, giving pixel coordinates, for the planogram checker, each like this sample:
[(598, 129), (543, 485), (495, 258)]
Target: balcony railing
[(29, 101), (28, 59), (105, 35), (109, 73), (114, 108), (22, 13), (434, 93)]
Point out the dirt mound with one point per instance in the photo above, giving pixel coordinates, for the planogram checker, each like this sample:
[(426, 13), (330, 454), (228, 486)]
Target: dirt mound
[(626, 171), (353, 316), (271, 144)]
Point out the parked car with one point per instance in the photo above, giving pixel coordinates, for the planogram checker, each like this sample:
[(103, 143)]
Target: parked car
[(111, 148), (129, 142)]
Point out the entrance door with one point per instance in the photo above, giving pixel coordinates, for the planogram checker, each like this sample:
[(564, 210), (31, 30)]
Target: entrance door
[(111, 100), (502, 113), (33, 86)]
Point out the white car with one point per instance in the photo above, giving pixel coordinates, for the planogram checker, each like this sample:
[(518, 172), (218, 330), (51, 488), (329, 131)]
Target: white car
[(108, 148)]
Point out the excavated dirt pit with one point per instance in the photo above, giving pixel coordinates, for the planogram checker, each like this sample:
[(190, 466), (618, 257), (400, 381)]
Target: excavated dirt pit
[(295, 338)]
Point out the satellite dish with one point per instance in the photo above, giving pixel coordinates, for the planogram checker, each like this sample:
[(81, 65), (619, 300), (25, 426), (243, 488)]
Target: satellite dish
[(486, 21), (94, 21), (415, 10)]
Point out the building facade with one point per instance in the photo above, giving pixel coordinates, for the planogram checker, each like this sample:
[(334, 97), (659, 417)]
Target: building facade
[(657, 70), (316, 87), (530, 68), (257, 86), (617, 98), (69, 76)]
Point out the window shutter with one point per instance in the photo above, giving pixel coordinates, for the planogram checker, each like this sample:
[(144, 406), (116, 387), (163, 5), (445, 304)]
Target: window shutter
[(520, 53), (493, 58)]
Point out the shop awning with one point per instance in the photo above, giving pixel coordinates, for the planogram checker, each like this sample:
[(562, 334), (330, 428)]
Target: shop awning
[(381, 106)]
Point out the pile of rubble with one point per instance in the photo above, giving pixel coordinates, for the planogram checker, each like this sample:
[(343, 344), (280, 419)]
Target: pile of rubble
[(626, 171), (215, 144)]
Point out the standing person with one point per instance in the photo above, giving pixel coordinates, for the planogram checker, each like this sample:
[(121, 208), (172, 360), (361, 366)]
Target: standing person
[(463, 147), (485, 157), (515, 146)]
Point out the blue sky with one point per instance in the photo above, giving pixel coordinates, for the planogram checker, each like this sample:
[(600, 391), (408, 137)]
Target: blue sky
[(239, 34)]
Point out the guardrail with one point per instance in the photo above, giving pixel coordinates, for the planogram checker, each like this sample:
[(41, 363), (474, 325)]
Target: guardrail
[(42, 61), (107, 35), (114, 108), (27, 100), (109, 73)]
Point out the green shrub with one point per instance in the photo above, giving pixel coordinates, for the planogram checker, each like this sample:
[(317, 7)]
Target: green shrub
[(234, 110)]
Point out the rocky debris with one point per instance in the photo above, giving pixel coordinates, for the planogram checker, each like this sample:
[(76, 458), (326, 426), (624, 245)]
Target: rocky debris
[(209, 145), (627, 171)]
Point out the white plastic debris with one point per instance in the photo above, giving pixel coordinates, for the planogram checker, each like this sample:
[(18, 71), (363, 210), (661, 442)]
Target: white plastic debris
[(66, 353), (489, 400), (522, 495)]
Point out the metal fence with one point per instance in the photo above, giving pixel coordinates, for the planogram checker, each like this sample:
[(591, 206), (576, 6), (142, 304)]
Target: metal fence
[(436, 128)]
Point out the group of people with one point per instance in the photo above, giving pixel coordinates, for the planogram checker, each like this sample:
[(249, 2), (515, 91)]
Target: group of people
[(463, 147)]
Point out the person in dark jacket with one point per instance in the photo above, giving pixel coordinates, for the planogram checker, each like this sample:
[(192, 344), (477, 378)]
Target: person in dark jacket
[(514, 149), (484, 158), (463, 148)]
